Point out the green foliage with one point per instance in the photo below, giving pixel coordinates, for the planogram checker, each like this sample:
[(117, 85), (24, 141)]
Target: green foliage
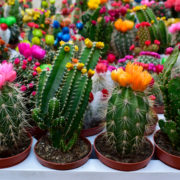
[(126, 119), (82, 4), (121, 42), (171, 93), (12, 116), (62, 96)]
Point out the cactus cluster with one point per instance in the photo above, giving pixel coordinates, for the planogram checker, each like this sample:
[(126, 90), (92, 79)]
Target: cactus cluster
[(121, 42), (157, 30), (171, 93), (63, 94)]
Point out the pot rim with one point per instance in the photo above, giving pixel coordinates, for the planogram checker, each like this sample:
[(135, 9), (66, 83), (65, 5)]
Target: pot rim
[(72, 163), (19, 154), (117, 162), (165, 152)]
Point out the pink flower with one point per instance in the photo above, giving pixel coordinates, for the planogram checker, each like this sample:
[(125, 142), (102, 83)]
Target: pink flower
[(132, 47), (23, 66), (159, 68), (37, 64), (38, 52), (152, 97), (2, 80), (93, 22), (34, 73), (25, 62), (30, 85), (29, 59), (102, 10), (157, 42), (7, 71), (34, 93), (169, 50), (16, 61), (24, 49), (23, 88)]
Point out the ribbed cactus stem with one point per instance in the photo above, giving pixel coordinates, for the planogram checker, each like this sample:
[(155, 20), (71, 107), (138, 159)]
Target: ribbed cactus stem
[(126, 119)]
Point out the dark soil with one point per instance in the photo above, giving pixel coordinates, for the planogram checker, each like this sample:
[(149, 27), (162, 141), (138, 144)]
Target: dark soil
[(164, 143), (105, 149), (21, 146), (47, 152)]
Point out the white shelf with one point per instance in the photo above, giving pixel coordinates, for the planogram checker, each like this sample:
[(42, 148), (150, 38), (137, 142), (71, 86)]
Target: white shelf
[(30, 169)]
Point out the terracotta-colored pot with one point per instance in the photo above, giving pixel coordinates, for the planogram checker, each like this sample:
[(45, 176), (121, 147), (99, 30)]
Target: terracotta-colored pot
[(13, 160), (169, 159), (120, 165), (151, 128), (65, 166), (92, 131), (36, 132), (159, 109)]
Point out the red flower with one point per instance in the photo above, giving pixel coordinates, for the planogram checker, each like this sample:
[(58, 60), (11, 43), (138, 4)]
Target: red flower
[(157, 42), (23, 88), (93, 22), (152, 97), (34, 93), (147, 43), (101, 68), (91, 97), (105, 93), (132, 47), (34, 73), (159, 68), (111, 58)]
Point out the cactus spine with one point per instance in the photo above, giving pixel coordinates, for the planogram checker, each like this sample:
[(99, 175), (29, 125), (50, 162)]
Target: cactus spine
[(63, 95), (171, 93)]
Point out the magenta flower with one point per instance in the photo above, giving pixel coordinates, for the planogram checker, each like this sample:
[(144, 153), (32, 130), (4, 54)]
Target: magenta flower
[(24, 49), (38, 52)]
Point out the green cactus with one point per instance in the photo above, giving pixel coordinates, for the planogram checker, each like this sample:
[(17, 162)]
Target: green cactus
[(63, 94), (157, 30), (171, 93), (12, 116), (121, 42), (126, 119), (148, 59)]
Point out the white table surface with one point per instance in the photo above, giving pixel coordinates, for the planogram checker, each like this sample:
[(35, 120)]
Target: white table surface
[(30, 169)]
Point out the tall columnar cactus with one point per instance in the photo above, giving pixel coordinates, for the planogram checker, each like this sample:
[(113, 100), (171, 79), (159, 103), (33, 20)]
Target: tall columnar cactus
[(13, 111), (171, 93), (128, 109), (157, 30), (64, 92)]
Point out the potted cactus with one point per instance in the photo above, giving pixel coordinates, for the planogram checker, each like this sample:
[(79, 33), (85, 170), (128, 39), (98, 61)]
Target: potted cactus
[(123, 146), (14, 140), (167, 139), (62, 98), (123, 36)]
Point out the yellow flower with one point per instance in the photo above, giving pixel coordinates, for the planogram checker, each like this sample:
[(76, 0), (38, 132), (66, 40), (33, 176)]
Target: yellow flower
[(39, 70), (47, 13), (11, 2), (137, 8), (27, 18), (88, 43), (152, 21), (90, 73), (84, 71), (30, 12), (158, 18), (76, 48), (42, 25), (93, 4), (80, 66), (66, 48), (61, 43), (69, 66), (100, 45)]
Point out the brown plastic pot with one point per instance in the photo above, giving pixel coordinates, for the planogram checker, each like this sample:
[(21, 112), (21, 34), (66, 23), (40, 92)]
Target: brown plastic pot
[(151, 128), (159, 109), (92, 131), (65, 166), (13, 160), (165, 157), (120, 165)]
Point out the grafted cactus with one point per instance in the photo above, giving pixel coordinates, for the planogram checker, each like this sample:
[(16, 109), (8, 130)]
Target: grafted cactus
[(13, 111), (171, 93), (128, 109), (63, 94)]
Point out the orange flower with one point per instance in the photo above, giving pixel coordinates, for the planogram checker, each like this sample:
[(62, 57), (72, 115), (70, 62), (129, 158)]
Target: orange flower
[(118, 24), (6, 49), (74, 60), (123, 26), (2, 42), (103, 1), (133, 76)]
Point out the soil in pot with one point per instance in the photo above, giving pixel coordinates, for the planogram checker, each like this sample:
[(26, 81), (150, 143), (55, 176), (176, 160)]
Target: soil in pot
[(164, 143), (47, 152), (106, 150), (21, 146)]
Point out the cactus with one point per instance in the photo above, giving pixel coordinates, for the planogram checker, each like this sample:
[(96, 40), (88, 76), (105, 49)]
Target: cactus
[(121, 42), (157, 30), (62, 95), (15, 33), (171, 93), (128, 109), (13, 111)]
